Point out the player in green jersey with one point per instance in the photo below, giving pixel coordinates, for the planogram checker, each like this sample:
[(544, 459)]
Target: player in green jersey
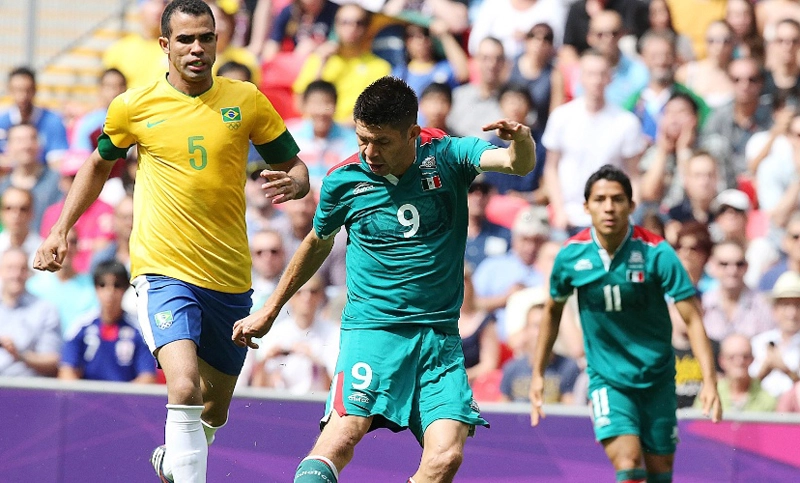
[(623, 275), (403, 202)]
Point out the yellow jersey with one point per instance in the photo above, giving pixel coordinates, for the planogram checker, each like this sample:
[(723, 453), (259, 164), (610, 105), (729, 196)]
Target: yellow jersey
[(189, 199), (141, 61)]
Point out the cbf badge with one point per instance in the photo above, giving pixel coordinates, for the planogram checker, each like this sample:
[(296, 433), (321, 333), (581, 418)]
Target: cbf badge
[(232, 117)]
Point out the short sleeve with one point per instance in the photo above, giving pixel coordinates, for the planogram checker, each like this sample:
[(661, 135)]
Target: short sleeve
[(278, 31), (560, 282), (71, 353), (50, 339), (551, 138), (634, 142), (673, 277), (467, 152), (331, 212), (116, 129)]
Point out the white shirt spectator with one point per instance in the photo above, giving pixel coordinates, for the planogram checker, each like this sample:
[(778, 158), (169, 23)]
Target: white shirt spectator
[(776, 383)]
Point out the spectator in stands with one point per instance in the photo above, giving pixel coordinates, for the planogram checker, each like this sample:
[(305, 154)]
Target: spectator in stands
[(509, 21), (49, 125), (560, 374), (269, 260), (614, 134), (30, 335), (517, 105), (692, 17), (769, 13), (323, 142), (661, 22), (731, 307), (693, 245), (790, 246), (529, 231), (110, 84), (478, 330), (299, 353), (301, 25), (72, 292), (452, 12), (729, 127), (105, 344), (534, 69), (700, 181), (435, 104), (789, 402), (770, 155), (708, 77), (747, 41), (688, 372), (301, 217), (628, 75), (94, 228), (777, 352), (484, 238), (782, 77), (658, 54), (226, 51), (260, 213), (22, 153), (347, 63), (661, 164), (16, 214), (730, 209), (473, 103), (424, 66), (632, 14), (138, 55), (738, 391), (119, 248)]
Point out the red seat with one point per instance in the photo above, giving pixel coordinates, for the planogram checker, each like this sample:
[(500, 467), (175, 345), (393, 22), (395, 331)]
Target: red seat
[(502, 209), (487, 387), (277, 77)]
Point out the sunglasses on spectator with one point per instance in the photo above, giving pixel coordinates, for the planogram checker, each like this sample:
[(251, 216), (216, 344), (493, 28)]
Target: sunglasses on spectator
[(20, 208)]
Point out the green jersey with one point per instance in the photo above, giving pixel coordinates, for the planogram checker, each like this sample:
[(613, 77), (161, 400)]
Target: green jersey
[(622, 304), (406, 236)]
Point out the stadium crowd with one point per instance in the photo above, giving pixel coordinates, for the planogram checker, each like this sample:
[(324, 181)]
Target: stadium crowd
[(697, 100)]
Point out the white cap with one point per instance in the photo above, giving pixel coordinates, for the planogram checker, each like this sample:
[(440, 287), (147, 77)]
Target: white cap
[(734, 198), (787, 286)]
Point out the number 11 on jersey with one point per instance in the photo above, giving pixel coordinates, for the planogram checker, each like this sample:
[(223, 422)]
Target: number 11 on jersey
[(613, 298)]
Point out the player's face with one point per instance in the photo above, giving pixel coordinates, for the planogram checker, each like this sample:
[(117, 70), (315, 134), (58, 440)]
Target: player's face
[(191, 49), (609, 207), (387, 150)]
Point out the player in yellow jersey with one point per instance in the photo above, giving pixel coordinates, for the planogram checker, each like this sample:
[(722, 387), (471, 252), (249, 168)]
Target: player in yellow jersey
[(190, 261)]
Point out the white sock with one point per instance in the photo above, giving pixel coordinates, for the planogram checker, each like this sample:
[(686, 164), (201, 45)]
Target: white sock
[(187, 451), (210, 431)]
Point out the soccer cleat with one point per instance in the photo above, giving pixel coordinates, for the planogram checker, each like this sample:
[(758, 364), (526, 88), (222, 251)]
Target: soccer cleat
[(157, 460)]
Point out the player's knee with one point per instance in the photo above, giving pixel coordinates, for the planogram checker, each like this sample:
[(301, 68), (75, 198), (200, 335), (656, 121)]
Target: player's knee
[(444, 463), (184, 390)]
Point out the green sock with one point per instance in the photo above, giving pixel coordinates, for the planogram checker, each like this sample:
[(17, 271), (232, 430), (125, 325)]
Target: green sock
[(665, 477), (316, 469), (635, 474)]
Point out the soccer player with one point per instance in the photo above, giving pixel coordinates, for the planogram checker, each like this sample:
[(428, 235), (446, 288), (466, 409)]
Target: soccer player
[(403, 201), (623, 274), (190, 260)]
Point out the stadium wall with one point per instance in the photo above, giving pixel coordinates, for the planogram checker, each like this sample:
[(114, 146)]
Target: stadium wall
[(54, 431)]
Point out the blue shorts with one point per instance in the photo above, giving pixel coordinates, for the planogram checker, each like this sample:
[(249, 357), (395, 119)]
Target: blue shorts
[(170, 310)]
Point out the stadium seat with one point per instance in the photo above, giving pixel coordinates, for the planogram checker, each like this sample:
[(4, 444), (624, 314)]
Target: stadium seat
[(277, 77), (502, 209), (487, 387)]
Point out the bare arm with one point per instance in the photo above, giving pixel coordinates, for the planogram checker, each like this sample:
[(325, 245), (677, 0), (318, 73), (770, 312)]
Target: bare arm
[(520, 156), (144, 378), (69, 373), (701, 348), (45, 364), (88, 183), (452, 50), (304, 263), (553, 187), (548, 332), (262, 22), (286, 181)]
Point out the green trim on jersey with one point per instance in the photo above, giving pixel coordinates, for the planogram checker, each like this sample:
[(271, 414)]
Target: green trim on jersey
[(282, 148), (107, 150), (622, 304)]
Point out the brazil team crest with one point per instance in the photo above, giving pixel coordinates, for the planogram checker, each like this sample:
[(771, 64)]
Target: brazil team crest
[(232, 117), (163, 320)]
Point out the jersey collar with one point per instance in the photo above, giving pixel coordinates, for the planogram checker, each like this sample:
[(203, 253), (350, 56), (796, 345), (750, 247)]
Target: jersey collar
[(604, 255)]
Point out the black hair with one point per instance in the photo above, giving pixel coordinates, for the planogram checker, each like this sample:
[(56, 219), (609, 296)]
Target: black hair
[(195, 8), (686, 97), (112, 71), (111, 267), (23, 71), (322, 86), (388, 101), (438, 88), (610, 173), (520, 90), (232, 66)]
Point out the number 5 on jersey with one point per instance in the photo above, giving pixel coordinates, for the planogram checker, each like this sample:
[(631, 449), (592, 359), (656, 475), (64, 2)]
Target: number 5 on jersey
[(194, 146)]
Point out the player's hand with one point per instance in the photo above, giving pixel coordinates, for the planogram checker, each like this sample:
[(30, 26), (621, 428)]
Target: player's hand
[(51, 253), (254, 326), (509, 130), (709, 398), (279, 186), (537, 399)]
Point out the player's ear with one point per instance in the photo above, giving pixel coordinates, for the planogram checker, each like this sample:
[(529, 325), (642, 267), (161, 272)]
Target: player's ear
[(586, 207), (414, 131), (164, 43)]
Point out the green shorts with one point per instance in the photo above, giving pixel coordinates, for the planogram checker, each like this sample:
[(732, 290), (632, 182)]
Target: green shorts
[(647, 413), (405, 378)]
